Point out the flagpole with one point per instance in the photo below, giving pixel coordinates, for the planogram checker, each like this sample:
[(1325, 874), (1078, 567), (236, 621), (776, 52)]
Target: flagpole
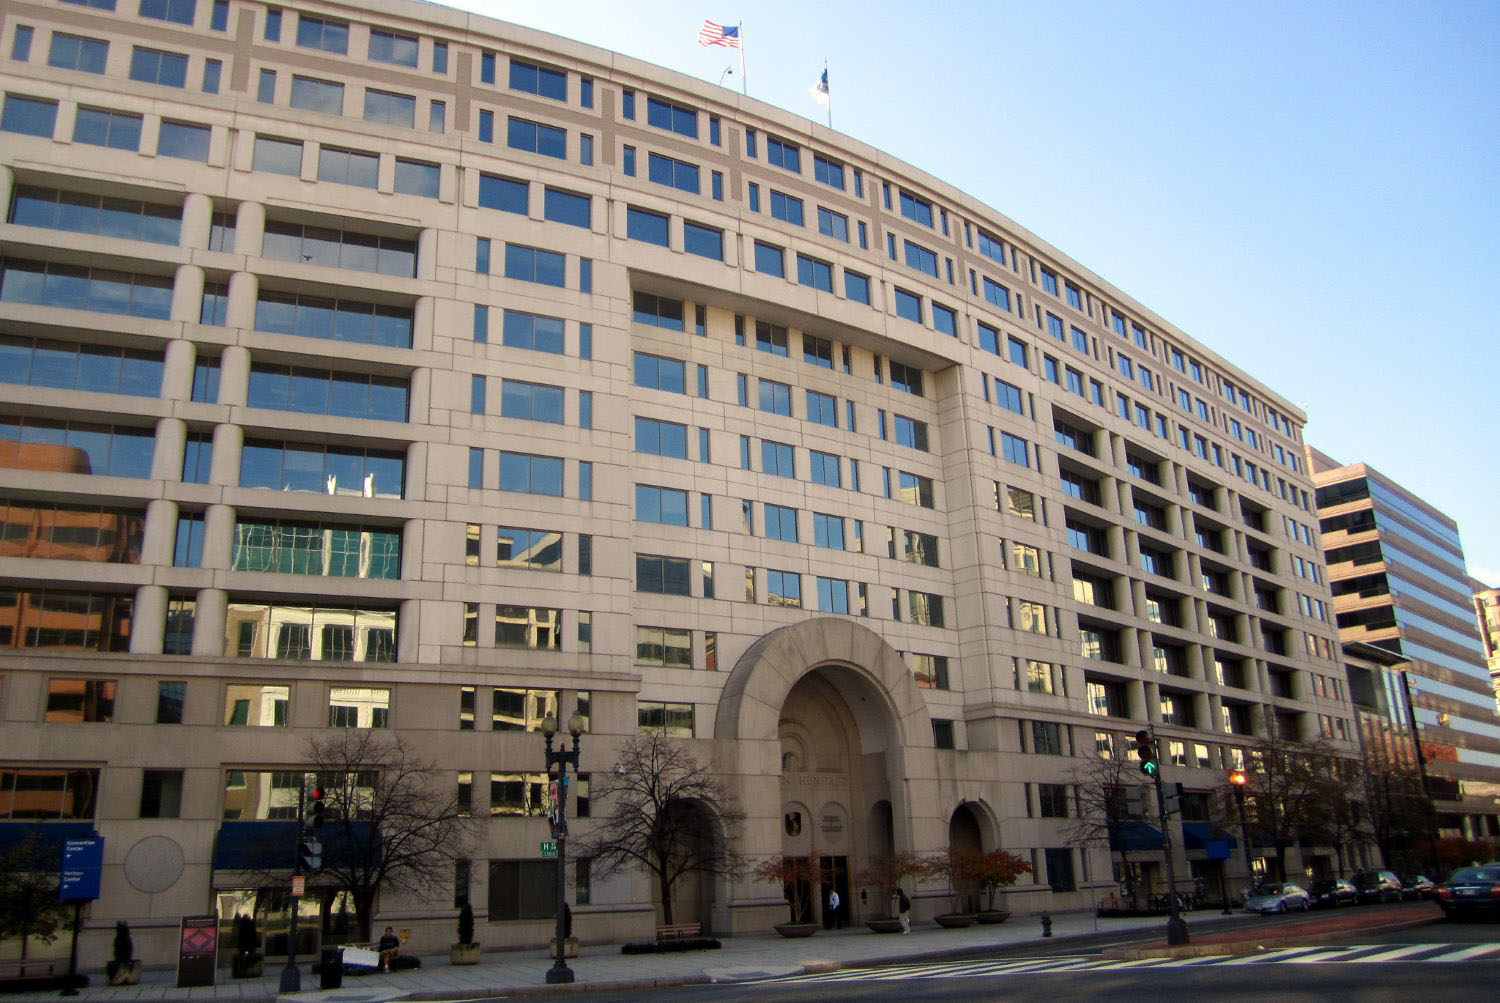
[(744, 84), (830, 93)]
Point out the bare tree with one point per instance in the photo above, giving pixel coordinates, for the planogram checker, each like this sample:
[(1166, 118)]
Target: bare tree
[(1398, 814), (393, 820), (29, 908), (1288, 791), (659, 797), (1101, 806)]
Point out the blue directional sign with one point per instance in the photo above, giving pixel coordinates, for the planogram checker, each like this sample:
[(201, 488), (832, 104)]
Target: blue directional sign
[(82, 861)]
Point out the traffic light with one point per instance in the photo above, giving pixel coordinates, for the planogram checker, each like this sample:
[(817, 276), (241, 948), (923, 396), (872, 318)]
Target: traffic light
[(1171, 796), (1145, 747), (318, 807), (310, 853)]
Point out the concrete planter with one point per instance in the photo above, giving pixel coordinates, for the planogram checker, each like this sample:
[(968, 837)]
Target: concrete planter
[(463, 954), (992, 916), (884, 925), (954, 920), (796, 929)]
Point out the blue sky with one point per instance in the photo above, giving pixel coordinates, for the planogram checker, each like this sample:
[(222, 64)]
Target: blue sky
[(1306, 188)]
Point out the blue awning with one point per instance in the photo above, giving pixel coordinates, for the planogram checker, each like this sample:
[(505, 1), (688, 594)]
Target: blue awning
[(1197, 836), (1134, 836), (50, 836), (271, 844)]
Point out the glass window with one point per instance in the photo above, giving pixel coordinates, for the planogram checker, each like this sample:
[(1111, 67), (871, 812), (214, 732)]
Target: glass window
[(114, 129), (504, 194), (542, 81), (529, 474), (71, 52), (673, 173), (395, 109), (533, 264), (176, 11), (704, 241), (534, 137), (152, 66), (570, 208), (389, 47), (770, 259), (320, 33), (643, 225)]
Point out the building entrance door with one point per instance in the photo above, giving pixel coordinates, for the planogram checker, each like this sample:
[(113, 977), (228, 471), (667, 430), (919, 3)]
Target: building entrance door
[(835, 881)]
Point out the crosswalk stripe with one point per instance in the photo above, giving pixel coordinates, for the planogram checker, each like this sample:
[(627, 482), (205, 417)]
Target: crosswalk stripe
[(1255, 959), (1336, 954), (1478, 950), (1189, 962), (1305, 955), (1399, 952)]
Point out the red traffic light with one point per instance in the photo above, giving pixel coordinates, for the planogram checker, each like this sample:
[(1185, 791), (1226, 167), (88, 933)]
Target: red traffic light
[(317, 794)]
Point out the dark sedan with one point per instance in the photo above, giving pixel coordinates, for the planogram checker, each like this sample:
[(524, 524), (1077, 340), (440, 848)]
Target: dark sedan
[(1417, 886), (1470, 891), (1377, 886), (1333, 892)]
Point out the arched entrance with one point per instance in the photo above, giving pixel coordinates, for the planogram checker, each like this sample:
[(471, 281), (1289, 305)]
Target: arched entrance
[(821, 781), (832, 711), (964, 835), (694, 892)]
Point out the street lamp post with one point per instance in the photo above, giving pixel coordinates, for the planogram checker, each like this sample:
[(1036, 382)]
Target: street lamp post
[(561, 758), (1237, 782)]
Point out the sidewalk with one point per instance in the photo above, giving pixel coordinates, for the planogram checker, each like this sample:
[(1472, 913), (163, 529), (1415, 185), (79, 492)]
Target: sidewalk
[(1313, 928), (602, 966)]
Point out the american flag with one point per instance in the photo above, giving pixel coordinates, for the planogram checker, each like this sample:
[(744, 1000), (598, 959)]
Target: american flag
[(719, 34)]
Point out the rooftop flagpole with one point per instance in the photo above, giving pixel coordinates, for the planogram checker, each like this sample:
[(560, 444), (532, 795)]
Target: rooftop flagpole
[(829, 92), (744, 83)]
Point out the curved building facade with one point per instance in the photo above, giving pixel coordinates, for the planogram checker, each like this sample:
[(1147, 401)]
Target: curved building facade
[(448, 373)]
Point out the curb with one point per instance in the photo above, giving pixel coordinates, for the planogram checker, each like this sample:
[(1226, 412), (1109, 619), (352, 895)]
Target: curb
[(1262, 943), (572, 988)]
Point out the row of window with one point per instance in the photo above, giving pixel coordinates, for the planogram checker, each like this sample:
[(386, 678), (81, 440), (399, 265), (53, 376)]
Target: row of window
[(89, 54)]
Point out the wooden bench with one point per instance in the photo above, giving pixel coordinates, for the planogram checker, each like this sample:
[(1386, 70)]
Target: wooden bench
[(31, 968), (678, 931)]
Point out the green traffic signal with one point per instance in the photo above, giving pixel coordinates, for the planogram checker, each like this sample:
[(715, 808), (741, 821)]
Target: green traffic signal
[(1145, 747)]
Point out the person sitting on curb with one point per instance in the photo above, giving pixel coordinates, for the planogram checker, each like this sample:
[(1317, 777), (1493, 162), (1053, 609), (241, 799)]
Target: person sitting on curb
[(390, 946)]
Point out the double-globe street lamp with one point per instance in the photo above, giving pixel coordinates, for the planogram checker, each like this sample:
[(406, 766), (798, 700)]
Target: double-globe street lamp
[(561, 758)]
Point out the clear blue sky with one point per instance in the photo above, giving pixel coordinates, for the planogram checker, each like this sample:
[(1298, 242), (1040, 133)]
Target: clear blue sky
[(1307, 188)]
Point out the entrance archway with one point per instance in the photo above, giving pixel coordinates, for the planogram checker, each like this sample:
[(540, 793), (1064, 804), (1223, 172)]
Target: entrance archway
[(827, 716)]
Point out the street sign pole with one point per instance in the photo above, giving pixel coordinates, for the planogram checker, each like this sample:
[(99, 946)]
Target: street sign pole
[(82, 861)]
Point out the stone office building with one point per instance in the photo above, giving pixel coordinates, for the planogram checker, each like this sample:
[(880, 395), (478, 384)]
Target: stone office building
[(410, 370)]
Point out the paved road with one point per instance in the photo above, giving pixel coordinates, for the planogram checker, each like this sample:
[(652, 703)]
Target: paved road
[(1440, 961)]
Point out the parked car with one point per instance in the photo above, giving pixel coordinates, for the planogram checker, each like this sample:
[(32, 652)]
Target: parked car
[(1417, 886), (1377, 886), (1470, 891), (1333, 892), (1281, 897)]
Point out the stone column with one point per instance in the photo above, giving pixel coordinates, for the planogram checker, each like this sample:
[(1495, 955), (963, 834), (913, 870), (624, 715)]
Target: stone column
[(208, 622), (177, 370), (197, 220), (160, 536), (149, 619), (229, 441), (249, 228), (171, 441), (187, 294)]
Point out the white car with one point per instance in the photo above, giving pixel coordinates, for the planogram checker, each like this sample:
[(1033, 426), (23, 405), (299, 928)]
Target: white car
[(1283, 897)]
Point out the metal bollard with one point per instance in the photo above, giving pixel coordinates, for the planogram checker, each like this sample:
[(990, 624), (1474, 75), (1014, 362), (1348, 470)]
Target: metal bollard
[(1046, 924)]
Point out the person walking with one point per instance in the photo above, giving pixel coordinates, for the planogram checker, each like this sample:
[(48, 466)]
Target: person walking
[(833, 910), (904, 904)]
